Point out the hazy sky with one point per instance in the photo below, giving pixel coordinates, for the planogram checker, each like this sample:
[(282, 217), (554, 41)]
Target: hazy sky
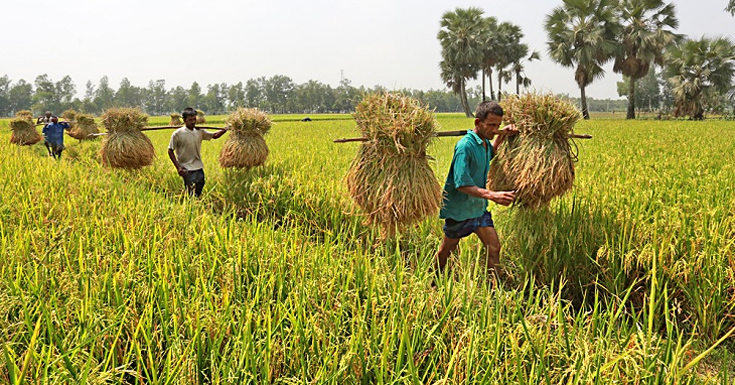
[(375, 42)]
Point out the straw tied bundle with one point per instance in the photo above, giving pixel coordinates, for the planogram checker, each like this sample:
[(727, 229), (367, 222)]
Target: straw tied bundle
[(24, 130), (175, 120), (538, 163), (245, 147), (125, 146), (390, 178), (84, 128)]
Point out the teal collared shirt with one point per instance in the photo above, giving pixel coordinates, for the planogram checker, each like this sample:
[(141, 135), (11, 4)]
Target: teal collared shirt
[(470, 164)]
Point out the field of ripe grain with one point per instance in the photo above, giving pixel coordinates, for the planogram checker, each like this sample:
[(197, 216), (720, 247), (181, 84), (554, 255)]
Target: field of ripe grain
[(111, 276)]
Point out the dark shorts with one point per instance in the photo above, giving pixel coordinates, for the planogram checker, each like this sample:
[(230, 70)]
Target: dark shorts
[(460, 229), (194, 181), (55, 147)]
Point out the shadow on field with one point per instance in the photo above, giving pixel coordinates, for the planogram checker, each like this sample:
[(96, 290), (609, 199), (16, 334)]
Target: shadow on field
[(272, 194)]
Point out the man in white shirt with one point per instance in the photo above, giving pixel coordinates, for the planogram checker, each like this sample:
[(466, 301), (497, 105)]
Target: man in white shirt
[(184, 150)]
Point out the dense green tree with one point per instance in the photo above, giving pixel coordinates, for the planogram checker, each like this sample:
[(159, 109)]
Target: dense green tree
[(697, 70), (44, 96), (490, 52), (346, 96), (278, 90), (5, 96), (104, 95), (236, 96), (254, 92), (178, 99), (462, 35), (20, 96), (194, 96), (128, 95), (647, 30), (155, 98), (582, 35), (648, 91)]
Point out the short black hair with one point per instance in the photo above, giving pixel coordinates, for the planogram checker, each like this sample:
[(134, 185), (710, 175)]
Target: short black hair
[(188, 111), (488, 107)]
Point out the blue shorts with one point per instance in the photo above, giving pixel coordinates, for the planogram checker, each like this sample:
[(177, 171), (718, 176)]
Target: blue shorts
[(460, 229)]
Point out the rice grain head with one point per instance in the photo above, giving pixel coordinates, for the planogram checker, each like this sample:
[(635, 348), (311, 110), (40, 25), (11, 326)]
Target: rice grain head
[(85, 127), (24, 132), (200, 117), (175, 120)]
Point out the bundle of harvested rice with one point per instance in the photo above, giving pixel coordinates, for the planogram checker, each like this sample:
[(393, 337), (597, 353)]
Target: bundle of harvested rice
[(126, 146), (24, 130), (69, 115), (246, 147), (175, 120), (85, 126), (24, 114), (538, 163), (200, 117), (390, 178)]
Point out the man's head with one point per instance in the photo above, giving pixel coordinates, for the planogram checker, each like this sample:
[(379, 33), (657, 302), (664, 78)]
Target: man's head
[(54, 119), (48, 114), (488, 118), (190, 117)]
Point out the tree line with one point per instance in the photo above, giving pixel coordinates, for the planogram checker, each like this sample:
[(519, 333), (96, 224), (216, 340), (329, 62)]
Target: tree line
[(276, 94), (636, 35)]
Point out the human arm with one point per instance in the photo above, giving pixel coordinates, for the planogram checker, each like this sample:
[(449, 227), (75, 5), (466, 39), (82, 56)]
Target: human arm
[(509, 130), (219, 133), (179, 168), (500, 197)]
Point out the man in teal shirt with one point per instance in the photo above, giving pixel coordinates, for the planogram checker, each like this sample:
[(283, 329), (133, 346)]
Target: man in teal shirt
[(465, 196)]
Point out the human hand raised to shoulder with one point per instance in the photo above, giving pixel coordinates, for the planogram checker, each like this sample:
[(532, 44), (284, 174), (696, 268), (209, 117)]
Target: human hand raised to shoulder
[(509, 130), (503, 198)]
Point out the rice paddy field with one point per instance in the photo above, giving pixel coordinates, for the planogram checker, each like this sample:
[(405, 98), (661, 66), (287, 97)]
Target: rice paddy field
[(113, 276)]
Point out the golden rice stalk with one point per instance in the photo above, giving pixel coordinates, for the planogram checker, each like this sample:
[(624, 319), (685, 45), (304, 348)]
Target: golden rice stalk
[(24, 131), (390, 179), (175, 120), (200, 117), (538, 163), (246, 147), (84, 127), (125, 146)]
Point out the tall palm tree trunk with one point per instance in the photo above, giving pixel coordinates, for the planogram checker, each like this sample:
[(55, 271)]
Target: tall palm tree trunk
[(465, 103), (631, 99), (500, 84), (490, 80), (518, 83), (483, 85), (585, 111)]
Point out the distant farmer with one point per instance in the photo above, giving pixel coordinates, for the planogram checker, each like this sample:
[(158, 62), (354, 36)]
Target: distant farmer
[(45, 118), (465, 197), (53, 132), (185, 151)]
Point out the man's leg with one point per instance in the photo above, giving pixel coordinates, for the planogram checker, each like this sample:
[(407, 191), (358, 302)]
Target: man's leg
[(490, 240), (48, 148), (445, 250), (199, 185)]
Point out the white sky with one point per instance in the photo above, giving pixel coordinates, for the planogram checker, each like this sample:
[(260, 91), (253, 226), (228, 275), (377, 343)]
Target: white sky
[(375, 42)]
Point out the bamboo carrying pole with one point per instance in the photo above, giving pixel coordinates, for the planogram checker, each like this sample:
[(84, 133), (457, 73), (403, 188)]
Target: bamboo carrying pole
[(165, 128), (450, 133)]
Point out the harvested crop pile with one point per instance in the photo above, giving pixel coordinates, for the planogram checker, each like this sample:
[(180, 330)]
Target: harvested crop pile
[(538, 163), (125, 146), (85, 126), (390, 179), (245, 147), (24, 130), (175, 120)]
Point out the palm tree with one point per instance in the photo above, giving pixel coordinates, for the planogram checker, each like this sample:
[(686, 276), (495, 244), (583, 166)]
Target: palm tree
[(647, 31), (582, 34), (461, 35), (698, 68), (518, 68), (731, 7), (490, 53), (511, 51)]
